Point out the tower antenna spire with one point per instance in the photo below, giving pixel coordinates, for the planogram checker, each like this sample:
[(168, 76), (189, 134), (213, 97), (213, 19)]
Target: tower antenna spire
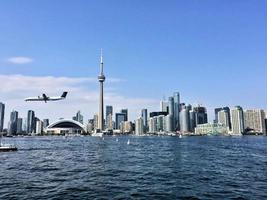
[(101, 62)]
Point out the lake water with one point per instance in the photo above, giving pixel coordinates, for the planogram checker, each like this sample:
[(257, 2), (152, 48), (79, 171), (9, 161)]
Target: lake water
[(147, 168)]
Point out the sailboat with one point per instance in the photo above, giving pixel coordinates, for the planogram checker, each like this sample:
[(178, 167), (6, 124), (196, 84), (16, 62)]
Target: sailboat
[(4, 148)]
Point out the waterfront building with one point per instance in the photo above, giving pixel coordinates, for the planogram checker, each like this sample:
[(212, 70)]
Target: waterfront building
[(254, 121), (171, 111), (164, 106), (24, 125), (176, 110), (139, 128), (39, 127), (2, 116), (237, 120), (144, 117), (227, 110), (211, 129), (78, 117), (125, 111), (109, 112), (192, 120), (160, 123), (126, 127), (120, 117), (109, 122), (19, 126), (13, 122), (95, 121), (223, 118), (65, 126), (90, 125), (152, 125), (184, 120), (201, 115), (168, 123), (46, 123), (31, 122), (101, 79)]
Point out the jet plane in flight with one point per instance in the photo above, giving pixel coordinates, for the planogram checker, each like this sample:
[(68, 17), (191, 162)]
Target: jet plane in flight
[(46, 98)]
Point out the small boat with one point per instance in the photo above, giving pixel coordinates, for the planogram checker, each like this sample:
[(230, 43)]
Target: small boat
[(117, 140), (5, 148), (100, 134), (180, 136), (8, 148), (128, 142)]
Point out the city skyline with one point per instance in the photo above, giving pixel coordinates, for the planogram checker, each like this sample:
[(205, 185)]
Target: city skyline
[(209, 60)]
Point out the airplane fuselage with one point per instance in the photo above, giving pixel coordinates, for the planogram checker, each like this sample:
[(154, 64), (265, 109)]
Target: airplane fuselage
[(46, 98)]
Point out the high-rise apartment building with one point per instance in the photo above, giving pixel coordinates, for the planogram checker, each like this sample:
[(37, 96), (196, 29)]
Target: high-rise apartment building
[(13, 122), (254, 121), (2, 116), (223, 118), (237, 120), (139, 126), (31, 122), (145, 118), (176, 110)]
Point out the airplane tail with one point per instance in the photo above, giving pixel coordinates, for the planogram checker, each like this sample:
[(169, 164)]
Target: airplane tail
[(64, 94)]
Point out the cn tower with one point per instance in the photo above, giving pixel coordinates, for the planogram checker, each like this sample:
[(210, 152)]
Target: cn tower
[(101, 79)]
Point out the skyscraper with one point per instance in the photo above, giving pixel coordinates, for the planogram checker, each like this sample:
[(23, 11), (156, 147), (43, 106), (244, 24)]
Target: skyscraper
[(144, 117), (2, 116), (96, 121), (39, 126), (101, 79), (46, 123), (31, 122), (164, 106), (125, 111), (237, 120), (176, 101), (226, 109), (192, 120), (254, 121), (171, 111), (139, 128), (223, 118), (120, 117), (109, 111), (13, 122), (78, 117), (19, 126), (184, 119), (201, 115), (109, 116)]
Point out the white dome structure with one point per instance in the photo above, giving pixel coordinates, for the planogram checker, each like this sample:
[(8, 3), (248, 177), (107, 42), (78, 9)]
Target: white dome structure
[(65, 126)]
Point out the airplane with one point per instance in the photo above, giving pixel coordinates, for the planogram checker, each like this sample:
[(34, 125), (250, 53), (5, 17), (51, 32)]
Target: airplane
[(46, 98)]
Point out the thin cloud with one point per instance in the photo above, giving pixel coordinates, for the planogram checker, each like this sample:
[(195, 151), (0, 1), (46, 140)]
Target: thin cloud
[(14, 88), (19, 60)]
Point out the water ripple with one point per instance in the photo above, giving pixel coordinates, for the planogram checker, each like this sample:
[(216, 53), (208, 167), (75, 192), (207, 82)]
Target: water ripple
[(148, 168)]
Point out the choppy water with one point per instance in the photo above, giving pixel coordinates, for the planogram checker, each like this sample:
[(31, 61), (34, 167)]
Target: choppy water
[(148, 168)]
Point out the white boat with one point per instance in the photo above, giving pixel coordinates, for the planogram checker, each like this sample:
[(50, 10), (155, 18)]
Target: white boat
[(6, 147), (128, 142), (100, 134)]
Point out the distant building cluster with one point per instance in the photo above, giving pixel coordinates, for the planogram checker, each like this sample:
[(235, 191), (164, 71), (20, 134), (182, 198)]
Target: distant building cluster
[(173, 117)]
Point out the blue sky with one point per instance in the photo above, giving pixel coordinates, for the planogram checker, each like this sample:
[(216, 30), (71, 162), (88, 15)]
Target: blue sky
[(212, 52)]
